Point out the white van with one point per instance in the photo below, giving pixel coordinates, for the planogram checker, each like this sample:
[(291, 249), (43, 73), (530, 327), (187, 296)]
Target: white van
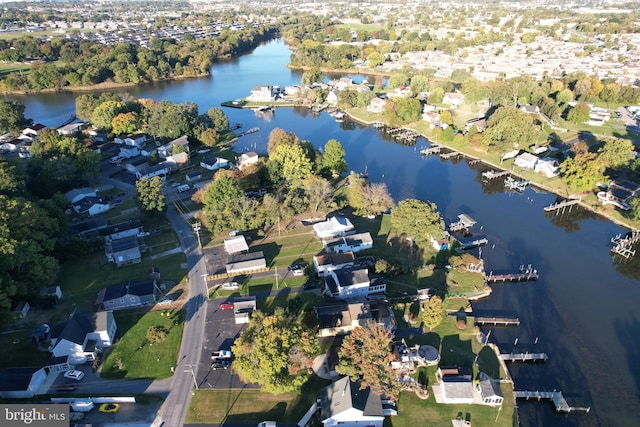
[(182, 188)]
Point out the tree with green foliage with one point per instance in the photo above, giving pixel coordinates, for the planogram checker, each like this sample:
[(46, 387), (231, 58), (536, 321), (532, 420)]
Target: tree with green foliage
[(402, 111), (365, 355), (579, 113), (447, 134), (103, 115), (221, 200), (509, 128), (149, 195), (319, 192), (126, 123), (281, 137), (582, 171), (289, 163), (617, 153), (364, 98), (375, 59), (564, 96), (348, 98), (419, 84), (418, 219), (12, 117), (219, 119), (435, 95), (333, 157), (276, 352), (433, 312), (209, 137), (398, 80), (169, 120), (311, 76)]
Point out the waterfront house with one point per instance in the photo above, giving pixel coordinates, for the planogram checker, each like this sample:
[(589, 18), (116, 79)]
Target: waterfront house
[(455, 384), (352, 243), (345, 404), (548, 167), (247, 159), (83, 335), (262, 93), (34, 131), (213, 163), (70, 128), (489, 390), (353, 283), (324, 264), (454, 99), (526, 161), (342, 317), (127, 294), (376, 105), (333, 227)]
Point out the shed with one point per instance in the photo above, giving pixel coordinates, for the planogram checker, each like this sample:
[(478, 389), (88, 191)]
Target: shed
[(22, 309), (243, 307), (52, 292), (245, 263), (194, 176), (236, 245)]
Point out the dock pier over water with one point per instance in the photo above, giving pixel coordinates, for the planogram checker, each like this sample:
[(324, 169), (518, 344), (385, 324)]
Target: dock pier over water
[(555, 396), (524, 357)]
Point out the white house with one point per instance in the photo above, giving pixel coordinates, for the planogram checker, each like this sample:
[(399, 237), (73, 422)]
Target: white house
[(247, 159), (83, 335), (137, 140), (246, 263), (78, 194), (70, 129), (352, 283), (547, 166), (325, 264), (526, 161), (332, 97), (90, 206), (353, 243), (343, 317), (344, 404), (123, 251), (454, 99), (213, 163), (261, 93), (34, 131), (489, 390), (376, 105), (161, 169), (166, 150), (333, 227)]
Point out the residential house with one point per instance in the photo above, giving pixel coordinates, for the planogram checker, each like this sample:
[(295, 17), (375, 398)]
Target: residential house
[(236, 245), (91, 206), (34, 131), (213, 163), (454, 99), (78, 194), (489, 390), (88, 228), (12, 145), (526, 161), (127, 294), (400, 92), (137, 165), (262, 93), (432, 118), (161, 170), (194, 176), (70, 128), (480, 123), (455, 384), (22, 383), (166, 150), (530, 109), (129, 228), (246, 263), (125, 251), (129, 151), (343, 83), (353, 283), (137, 140), (547, 166), (83, 335), (325, 264), (352, 243), (247, 159), (343, 317), (177, 161), (376, 105), (333, 227), (344, 404)]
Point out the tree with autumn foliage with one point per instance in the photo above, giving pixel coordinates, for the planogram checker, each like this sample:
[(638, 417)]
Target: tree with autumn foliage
[(276, 351), (365, 356)]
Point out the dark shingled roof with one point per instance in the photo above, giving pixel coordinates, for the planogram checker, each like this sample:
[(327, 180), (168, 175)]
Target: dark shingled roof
[(14, 379)]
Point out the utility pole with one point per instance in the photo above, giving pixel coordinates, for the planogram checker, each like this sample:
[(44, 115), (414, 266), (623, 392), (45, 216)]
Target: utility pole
[(195, 383), (276, 277), (196, 228)]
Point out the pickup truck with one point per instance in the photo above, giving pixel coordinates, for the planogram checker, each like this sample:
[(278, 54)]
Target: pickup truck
[(221, 354)]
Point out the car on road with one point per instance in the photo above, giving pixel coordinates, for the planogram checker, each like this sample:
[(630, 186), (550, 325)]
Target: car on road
[(165, 301), (268, 424), (109, 407), (294, 267), (221, 354), (74, 375), (67, 387), (226, 305), (219, 364)]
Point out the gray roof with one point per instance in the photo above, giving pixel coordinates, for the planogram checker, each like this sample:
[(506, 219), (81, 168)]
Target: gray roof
[(489, 388), (79, 324), (352, 240), (118, 228), (235, 244), (457, 387), (344, 394), (128, 288), (16, 379)]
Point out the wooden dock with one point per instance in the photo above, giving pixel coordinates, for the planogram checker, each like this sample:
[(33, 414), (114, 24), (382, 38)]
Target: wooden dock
[(449, 155), (248, 131), (464, 222), (491, 174), (434, 149), (524, 357), (497, 321), (525, 274), (518, 185), (555, 396), (562, 205), (466, 246), (623, 245)]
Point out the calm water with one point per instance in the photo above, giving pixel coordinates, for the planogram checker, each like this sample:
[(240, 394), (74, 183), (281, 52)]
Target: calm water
[(582, 312)]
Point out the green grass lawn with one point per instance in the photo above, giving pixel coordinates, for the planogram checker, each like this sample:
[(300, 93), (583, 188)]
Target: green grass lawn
[(133, 356)]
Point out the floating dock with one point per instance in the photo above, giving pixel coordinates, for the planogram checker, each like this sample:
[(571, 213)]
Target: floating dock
[(449, 155), (248, 131), (434, 149), (622, 245), (514, 184), (555, 396), (473, 244), (525, 274), (497, 321), (524, 357)]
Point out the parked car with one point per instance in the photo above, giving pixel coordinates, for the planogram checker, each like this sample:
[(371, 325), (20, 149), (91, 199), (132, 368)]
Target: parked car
[(115, 160), (109, 407), (219, 364), (268, 424), (309, 285), (221, 354), (67, 387), (74, 375), (230, 285), (226, 305)]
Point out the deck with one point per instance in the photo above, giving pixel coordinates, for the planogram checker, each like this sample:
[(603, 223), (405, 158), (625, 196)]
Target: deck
[(562, 205), (497, 321), (524, 357), (527, 274), (555, 396)]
